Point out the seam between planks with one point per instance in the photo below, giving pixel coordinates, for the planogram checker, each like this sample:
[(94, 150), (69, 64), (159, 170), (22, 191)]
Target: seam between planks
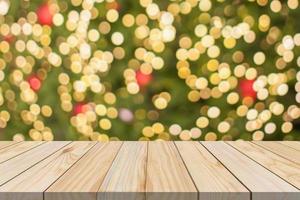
[(68, 169), (97, 193), (284, 144), (187, 169), (33, 165), (24, 151), (275, 152), (12, 143), (250, 192), (264, 166)]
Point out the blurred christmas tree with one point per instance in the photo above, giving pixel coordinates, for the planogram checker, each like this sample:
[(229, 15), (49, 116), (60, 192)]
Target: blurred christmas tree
[(188, 69)]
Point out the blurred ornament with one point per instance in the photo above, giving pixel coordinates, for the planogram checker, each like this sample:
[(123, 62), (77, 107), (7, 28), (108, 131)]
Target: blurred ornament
[(114, 5), (9, 38), (246, 88), (79, 108), (143, 79), (125, 115), (44, 15), (34, 82)]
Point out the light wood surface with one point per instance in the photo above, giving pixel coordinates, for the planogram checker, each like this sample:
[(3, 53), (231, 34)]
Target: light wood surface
[(31, 184), (4, 144), (19, 164), (127, 176), (282, 150), (17, 149), (222, 184), (167, 176), (286, 169), (255, 177), (292, 144), (149, 171), (84, 178)]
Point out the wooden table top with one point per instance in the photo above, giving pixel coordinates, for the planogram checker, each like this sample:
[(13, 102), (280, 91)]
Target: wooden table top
[(149, 170)]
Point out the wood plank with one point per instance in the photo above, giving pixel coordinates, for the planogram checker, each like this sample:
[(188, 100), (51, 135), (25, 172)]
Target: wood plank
[(282, 150), (17, 165), (17, 149), (263, 184), (282, 167), (31, 184), (126, 179), (292, 144), (213, 180), (165, 170), (167, 177), (83, 180), (4, 144)]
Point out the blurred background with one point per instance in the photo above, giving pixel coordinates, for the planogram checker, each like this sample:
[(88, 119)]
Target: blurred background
[(149, 70)]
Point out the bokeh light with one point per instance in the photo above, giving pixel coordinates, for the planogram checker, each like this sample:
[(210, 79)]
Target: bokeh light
[(150, 70)]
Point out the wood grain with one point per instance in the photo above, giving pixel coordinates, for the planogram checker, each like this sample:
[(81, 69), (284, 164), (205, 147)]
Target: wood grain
[(262, 183), (17, 149), (83, 180), (150, 171), (292, 144), (167, 177), (284, 168), (31, 184), (126, 178), (19, 164), (213, 180), (282, 150), (4, 144)]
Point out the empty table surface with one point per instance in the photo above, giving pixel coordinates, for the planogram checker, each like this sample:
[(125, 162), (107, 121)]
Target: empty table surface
[(191, 170)]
